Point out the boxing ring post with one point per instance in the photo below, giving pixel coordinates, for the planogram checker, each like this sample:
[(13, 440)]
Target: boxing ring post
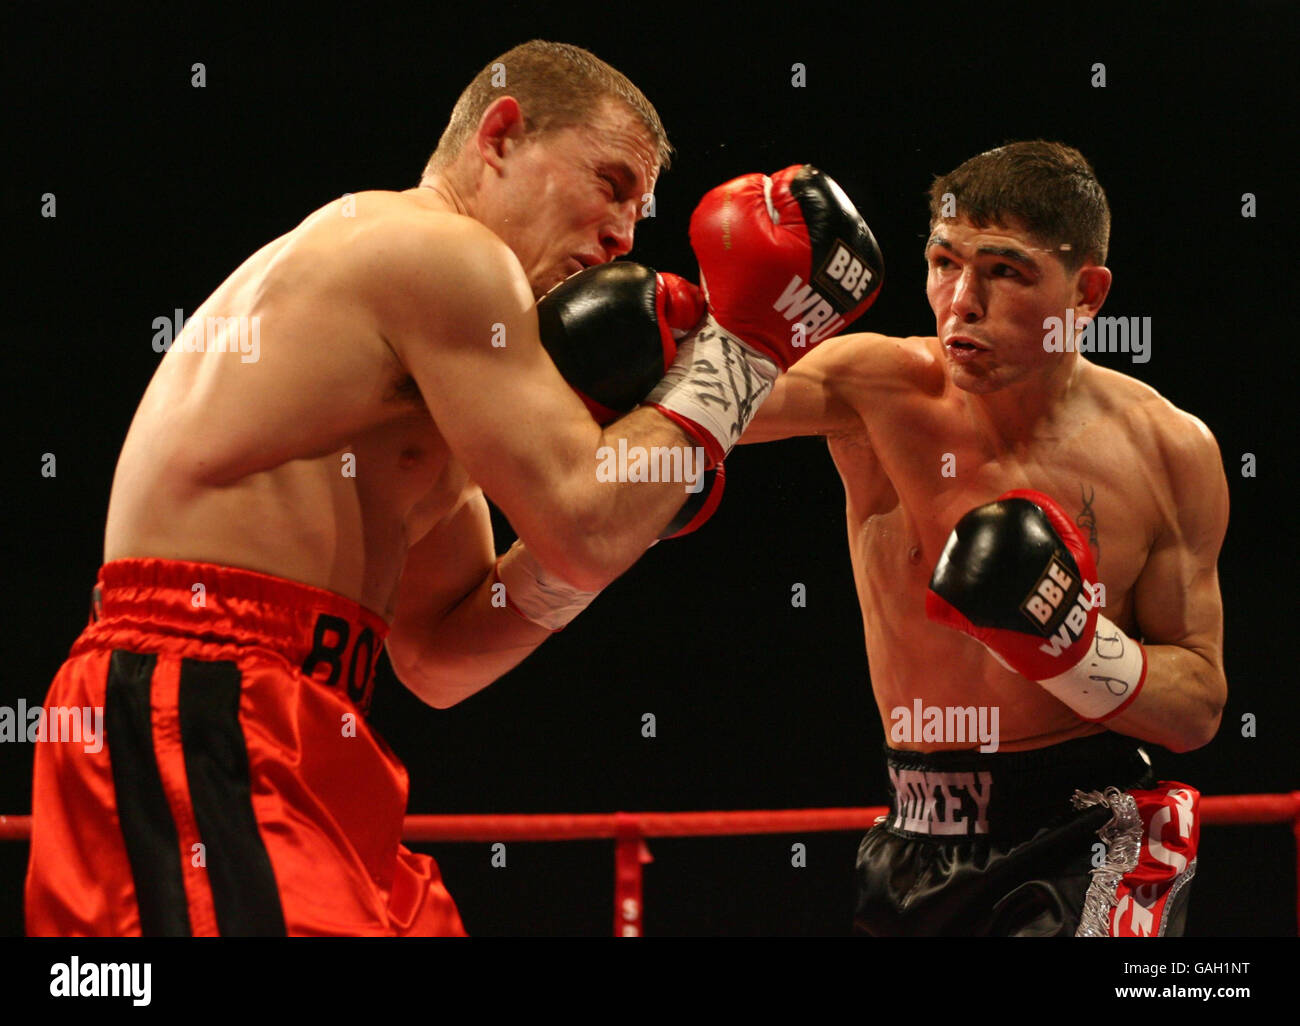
[(630, 830)]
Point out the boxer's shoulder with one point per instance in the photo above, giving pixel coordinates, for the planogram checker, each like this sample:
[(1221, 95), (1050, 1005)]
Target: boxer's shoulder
[(393, 238), (425, 271), (1176, 447), (1154, 420), (400, 235), (1190, 457)]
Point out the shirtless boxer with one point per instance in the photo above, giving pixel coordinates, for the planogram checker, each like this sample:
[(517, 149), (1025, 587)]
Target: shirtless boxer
[(927, 432), (277, 508)]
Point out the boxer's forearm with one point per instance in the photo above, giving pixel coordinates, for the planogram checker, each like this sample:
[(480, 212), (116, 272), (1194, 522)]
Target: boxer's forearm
[(1180, 703), (801, 403), (475, 643), (771, 423), (607, 525)]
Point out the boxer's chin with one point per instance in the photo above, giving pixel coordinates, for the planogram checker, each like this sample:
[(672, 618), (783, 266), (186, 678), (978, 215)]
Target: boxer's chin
[(541, 286), (976, 386), (544, 284), (975, 383)]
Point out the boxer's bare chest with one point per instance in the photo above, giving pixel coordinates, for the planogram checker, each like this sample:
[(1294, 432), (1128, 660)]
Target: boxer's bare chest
[(415, 471), (929, 462)]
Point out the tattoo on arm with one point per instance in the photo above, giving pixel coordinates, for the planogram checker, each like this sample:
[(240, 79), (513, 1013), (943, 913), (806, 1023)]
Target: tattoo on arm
[(1088, 519)]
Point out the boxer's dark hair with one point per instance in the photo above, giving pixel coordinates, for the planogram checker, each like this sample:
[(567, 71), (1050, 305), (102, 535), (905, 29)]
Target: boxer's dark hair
[(557, 86), (1047, 187)]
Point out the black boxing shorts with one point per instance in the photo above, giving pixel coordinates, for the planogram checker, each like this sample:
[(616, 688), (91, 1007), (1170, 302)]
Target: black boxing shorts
[(1077, 839)]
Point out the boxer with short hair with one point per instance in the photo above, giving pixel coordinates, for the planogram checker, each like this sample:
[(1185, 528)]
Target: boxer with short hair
[(1067, 517), (273, 523)]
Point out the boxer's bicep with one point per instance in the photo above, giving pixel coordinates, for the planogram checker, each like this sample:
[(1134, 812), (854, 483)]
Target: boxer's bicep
[(504, 410), (441, 569), (494, 394), (1177, 599)]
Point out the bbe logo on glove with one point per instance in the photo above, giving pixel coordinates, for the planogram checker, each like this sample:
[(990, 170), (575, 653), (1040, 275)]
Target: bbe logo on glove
[(846, 275), (1045, 599), (1057, 607), (1049, 594)]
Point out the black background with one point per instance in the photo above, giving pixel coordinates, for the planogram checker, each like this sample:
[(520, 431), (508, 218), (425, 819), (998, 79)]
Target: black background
[(162, 189)]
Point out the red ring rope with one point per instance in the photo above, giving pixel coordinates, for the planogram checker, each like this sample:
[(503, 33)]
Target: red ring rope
[(629, 830)]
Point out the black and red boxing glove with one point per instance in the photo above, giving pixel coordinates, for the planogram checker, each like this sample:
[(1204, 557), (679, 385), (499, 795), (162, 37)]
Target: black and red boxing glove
[(785, 262), (612, 331), (1017, 576)]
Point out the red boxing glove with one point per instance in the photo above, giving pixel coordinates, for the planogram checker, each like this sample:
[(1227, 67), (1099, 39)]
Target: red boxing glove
[(680, 303), (785, 262), (1017, 576)]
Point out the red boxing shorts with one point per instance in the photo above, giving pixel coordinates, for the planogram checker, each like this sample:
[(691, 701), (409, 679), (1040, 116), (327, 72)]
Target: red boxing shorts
[(238, 789), (1151, 843)]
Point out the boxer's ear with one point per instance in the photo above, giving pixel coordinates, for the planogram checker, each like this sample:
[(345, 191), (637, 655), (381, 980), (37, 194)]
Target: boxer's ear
[(501, 125), (1090, 290)]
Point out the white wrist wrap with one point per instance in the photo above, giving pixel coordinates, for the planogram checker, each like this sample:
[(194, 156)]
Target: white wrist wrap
[(716, 381), (536, 595), (1106, 679)]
